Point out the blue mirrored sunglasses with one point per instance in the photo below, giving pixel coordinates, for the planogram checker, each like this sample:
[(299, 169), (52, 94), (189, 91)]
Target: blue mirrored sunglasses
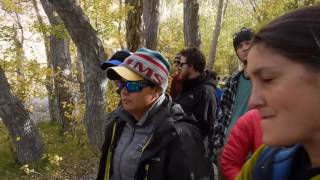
[(133, 86)]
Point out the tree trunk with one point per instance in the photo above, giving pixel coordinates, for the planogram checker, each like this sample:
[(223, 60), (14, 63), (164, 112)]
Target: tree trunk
[(151, 18), (214, 42), (119, 36), (63, 78), (191, 23), (61, 62), (92, 52), (21, 128), (52, 98), (79, 75), (20, 57), (134, 25)]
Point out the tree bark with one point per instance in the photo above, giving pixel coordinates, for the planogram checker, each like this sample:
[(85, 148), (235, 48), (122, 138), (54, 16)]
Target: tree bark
[(61, 63), (79, 75), (216, 34), (63, 78), (92, 52), (52, 98), (191, 23), (21, 128), (120, 27), (134, 25), (151, 18), (20, 58)]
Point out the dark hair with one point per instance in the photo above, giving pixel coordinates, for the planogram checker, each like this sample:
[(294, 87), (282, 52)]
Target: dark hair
[(195, 58), (245, 34), (295, 35)]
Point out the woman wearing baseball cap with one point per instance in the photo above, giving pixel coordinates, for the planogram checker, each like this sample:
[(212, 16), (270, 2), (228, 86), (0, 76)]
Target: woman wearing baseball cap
[(148, 136)]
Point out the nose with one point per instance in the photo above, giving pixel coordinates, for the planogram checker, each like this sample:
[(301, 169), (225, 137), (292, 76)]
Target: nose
[(256, 99), (245, 48)]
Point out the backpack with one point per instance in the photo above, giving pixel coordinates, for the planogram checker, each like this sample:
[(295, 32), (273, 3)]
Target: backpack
[(275, 163)]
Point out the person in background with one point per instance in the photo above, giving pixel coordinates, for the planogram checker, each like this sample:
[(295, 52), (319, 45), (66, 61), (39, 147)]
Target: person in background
[(198, 95), (218, 90), (176, 86), (116, 59), (244, 138), (149, 136), (284, 67), (236, 92)]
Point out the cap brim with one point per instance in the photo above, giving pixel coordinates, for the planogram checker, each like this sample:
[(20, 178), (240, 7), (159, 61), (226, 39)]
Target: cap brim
[(121, 72), (111, 63)]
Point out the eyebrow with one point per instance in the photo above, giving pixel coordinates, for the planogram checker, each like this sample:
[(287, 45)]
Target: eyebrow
[(259, 71)]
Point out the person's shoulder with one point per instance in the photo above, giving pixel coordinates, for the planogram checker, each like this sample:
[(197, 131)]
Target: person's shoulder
[(250, 118), (236, 75), (248, 168)]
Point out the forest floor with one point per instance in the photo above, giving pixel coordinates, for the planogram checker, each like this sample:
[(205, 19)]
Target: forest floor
[(65, 156)]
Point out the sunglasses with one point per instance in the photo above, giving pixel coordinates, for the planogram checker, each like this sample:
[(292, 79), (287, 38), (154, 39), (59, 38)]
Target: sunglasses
[(134, 86), (181, 64)]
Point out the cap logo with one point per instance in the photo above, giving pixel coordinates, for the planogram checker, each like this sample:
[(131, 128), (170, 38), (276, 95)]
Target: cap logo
[(149, 72)]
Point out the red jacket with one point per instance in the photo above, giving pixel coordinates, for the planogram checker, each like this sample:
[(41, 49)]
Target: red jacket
[(176, 85), (244, 138)]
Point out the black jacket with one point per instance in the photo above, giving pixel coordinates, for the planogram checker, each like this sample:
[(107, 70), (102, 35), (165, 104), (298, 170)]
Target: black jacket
[(198, 97), (175, 151)]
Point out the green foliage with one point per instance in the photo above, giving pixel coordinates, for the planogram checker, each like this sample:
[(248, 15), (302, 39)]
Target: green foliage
[(171, 37), (235, 18), (59, 31), (269, 9), (106, 16), (33, 80), (207, 14), (65, 157), (113, 97), (11, 6)]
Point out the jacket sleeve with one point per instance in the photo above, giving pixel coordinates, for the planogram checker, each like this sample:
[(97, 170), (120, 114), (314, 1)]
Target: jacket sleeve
[(206, 108), (105, 146), (187, 155), (172, 90), (239, 145)]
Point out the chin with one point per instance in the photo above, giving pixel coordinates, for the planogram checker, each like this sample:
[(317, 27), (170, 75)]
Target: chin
[(126, 107), (276, 142)]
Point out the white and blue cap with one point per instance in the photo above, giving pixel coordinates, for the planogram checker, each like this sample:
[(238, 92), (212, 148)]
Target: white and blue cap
[(116, 59)]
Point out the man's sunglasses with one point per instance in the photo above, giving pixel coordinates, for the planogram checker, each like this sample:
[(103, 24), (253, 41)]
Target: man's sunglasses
[(134, 86), (181, 64)]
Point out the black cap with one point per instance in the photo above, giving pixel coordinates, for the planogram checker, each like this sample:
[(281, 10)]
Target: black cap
[(116, 59), (245, 34)]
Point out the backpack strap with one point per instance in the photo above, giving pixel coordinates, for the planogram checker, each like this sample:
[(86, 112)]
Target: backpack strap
[(275, 163)]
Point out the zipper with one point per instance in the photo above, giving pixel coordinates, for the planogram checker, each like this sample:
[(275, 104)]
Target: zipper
[(109, 155), (124, 149), (147, 143), (146, 168)]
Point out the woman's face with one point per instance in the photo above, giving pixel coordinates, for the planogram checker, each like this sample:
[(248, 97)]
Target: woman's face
[(287, 94), (137, 103)]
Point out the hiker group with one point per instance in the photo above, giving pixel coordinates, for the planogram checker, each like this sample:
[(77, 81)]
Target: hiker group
[(174, 121)]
